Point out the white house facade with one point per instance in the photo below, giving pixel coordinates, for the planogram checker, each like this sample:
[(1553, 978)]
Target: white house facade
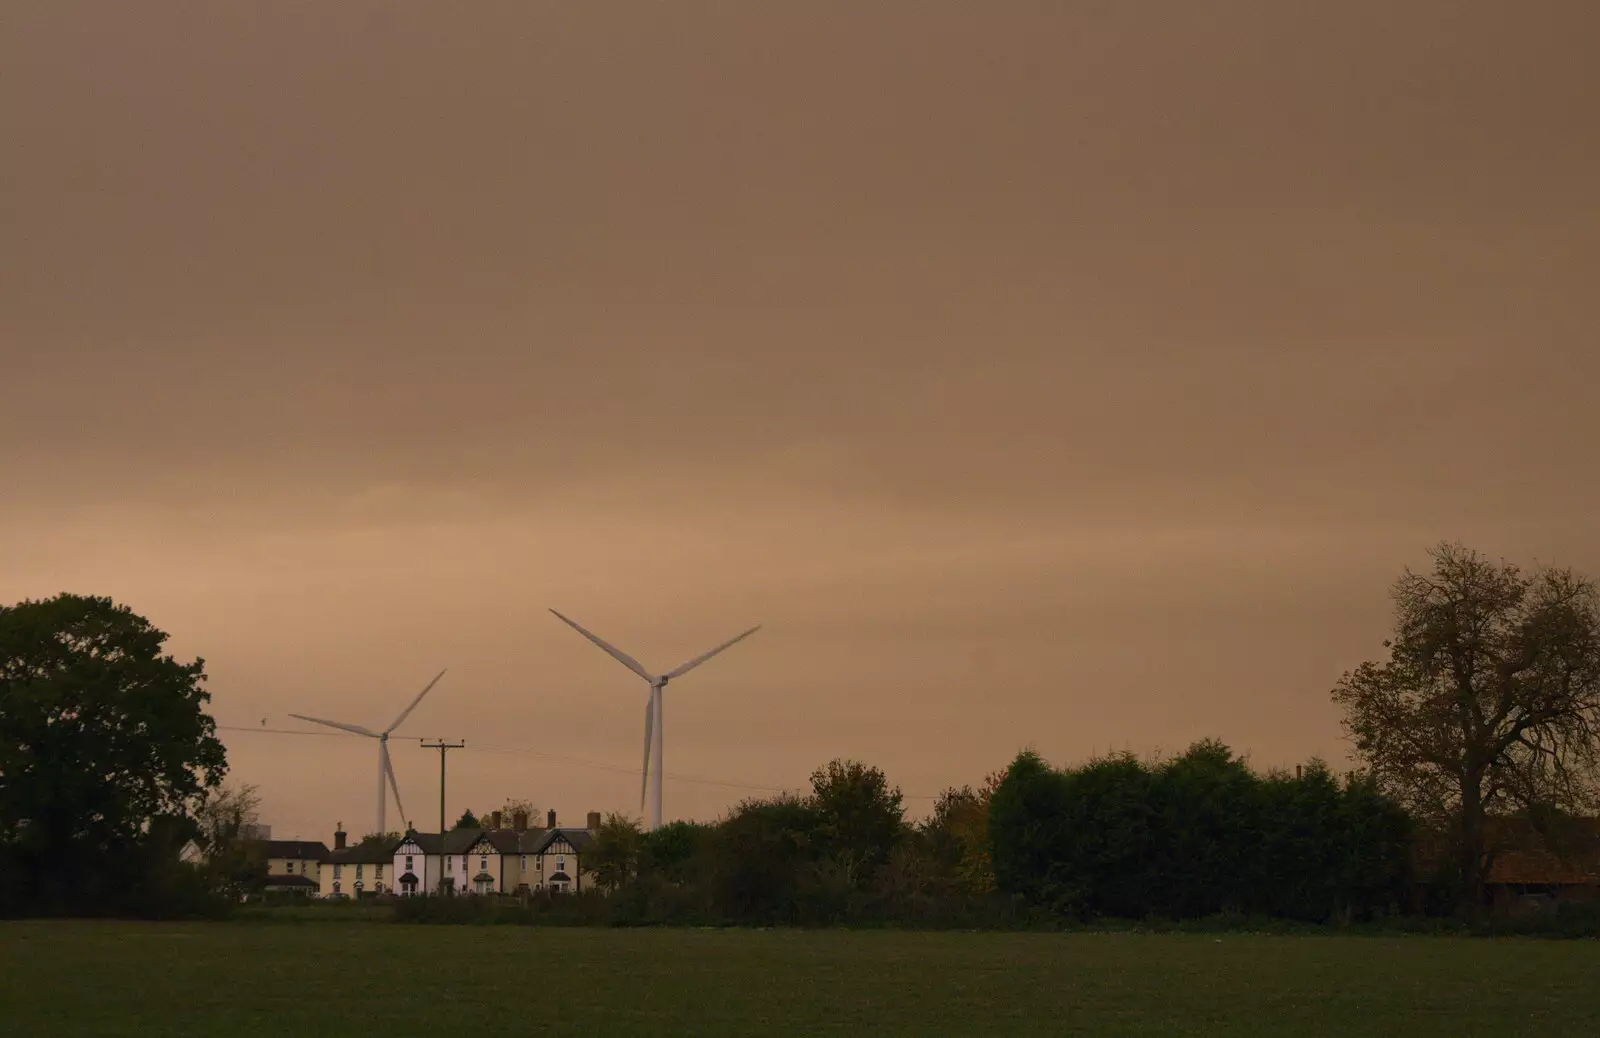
[(493, 860)]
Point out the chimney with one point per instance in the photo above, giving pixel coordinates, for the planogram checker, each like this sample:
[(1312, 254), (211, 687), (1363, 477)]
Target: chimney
[(338, 836), (552, 824), (594, 821), (519, 821), (494, 819)]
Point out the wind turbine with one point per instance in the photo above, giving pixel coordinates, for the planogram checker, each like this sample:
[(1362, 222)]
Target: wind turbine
[(653, 708), (385, 768)]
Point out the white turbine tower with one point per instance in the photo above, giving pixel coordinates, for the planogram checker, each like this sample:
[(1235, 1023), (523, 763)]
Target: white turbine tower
[(653, 709), (385, 769)]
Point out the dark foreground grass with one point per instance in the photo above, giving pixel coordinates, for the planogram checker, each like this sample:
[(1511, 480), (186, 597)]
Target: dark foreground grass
[(70, 978)]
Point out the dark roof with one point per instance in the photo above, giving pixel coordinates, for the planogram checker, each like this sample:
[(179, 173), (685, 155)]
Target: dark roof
[(507, 841), (1570, 855), (285, 882), (314, 850), (460, 841), (1541, 867), (1523, 855), (578, 838), (374, 853)]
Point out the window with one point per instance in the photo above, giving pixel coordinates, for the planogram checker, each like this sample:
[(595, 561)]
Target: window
[(336, 870), (483, 862), (522, 863), (450, 864), (539, 864), (561, 864), (358, 870), (408, 863)]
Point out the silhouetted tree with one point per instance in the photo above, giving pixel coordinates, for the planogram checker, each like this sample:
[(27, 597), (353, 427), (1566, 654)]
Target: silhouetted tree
[(1207, 833), (613, 854), (670, 853), (1027, 829), (859, 818), (759, 853), (106, 750), (468, 820), (1489, 700)]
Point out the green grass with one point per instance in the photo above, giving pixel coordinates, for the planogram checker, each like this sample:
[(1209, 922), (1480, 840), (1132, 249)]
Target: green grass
[(243, 978)]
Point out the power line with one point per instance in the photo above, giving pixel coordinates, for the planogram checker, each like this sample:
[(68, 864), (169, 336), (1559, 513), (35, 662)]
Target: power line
[(275, 731), (622, 769), (503, 750)]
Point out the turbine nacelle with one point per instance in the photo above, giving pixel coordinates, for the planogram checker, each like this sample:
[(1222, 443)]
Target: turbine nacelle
[(653, 708), (385, 765)]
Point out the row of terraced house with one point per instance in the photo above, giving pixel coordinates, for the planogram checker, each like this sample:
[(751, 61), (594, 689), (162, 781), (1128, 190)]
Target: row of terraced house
[(495, 859)]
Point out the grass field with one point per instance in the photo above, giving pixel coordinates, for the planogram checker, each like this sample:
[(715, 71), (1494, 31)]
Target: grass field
[(78, 978)]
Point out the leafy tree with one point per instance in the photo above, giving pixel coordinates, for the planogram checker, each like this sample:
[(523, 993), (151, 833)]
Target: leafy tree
[(1207, 833), (1111, 846), (670, 852), (860, 817), (956, 834), (1197, 835), (380, 839), (614, 852), (106, 749), (759, 853), (1027, 827), (1488, 703), (468, 820)]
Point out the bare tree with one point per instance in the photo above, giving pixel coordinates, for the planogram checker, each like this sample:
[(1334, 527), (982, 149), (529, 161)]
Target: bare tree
[(234, 865), (1489, 702), (509, 810)]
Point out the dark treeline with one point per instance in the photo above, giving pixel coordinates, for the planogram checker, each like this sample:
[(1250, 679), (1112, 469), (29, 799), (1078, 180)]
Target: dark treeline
[(1482, 722), (1200, 835), (1195, 836)]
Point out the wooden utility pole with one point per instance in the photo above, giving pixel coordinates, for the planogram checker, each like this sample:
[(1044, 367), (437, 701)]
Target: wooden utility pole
[(443, 748)]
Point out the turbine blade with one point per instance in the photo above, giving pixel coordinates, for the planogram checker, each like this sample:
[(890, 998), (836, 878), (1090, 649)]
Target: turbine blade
[(692, 664), (615, 653), (394, 787), (649, 727), (356, 728), (407, 711)]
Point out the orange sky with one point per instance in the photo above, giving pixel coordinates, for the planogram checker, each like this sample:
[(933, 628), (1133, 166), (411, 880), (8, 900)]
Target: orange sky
[(1066, 374)]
